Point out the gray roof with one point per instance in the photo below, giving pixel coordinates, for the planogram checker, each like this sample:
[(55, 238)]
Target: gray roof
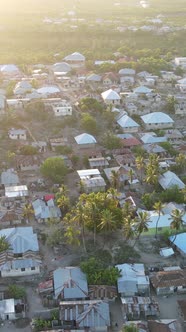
[(92, 313), (85, 139), (21, 239), (9, 177), (71, 281), (7, 307), (126, 122), (16, 191), (170, 179), (156, 117), (76, 56), (152, 139), (46, 210)]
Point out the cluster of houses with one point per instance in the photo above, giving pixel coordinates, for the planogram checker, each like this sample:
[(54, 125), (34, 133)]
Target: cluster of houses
[(141, 120)]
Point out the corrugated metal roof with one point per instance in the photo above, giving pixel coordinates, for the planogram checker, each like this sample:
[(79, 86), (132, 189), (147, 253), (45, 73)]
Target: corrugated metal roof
[(21, 239), (71, 281)]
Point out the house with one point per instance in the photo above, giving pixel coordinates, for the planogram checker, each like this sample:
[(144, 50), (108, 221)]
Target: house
[(179, 242), (93, 78), (174, 136), (11, 309), (85, 140), (169, 179), (91, 180), (10, 70), (111, 97), (75, 60), (131, 108), (169, 281), (91, 314), (61, 68), (58, 141), (123, 174), (70, 284), (16, 191), (45, 210), (23, 256), (127, 72), (9, 178), (152, 138), (99, 162), (157, 120), (133, 281), (136, 308), (109, 79), (46, 91), (17, 134), (180, 106), (155, 149), (22, 87), (181, 61), (164, 325), (125, 159), (28, 163), (142, 90), (181, 85), (127, 124), (62, 108), (100, 292)]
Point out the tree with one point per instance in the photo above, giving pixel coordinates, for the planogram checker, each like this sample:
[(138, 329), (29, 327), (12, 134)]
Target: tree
[(180, 161), (158, 206), (114, 179), (107, 222), (90, 104), (36, 110), (16, 292), (130, 175), (140, 165), (28, 212), (28, 150), (62, 199), (128, 228), (88, 123), (111, 142), (54, 169), (177, 221), (130, 328), (170, 104), (141, 223), (4, 245)]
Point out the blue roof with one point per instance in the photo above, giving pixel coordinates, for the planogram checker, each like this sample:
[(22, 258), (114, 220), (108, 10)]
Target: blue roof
[(180, 241), (71, 281), (21, 239)]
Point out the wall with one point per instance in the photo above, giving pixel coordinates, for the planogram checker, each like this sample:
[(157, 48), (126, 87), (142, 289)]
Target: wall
[(18, 272), (159, 126)]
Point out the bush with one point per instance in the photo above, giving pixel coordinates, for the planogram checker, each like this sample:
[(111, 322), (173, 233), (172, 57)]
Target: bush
[(125, 254), (16, 292), (28, 150), (54, 169)]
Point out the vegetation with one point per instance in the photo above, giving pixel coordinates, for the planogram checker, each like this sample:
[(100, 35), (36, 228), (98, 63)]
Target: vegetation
[(111, 141), (90, 104), (97, 274), (4, 245), (88, 123), (54, 169), (28, 150), (16, 292)]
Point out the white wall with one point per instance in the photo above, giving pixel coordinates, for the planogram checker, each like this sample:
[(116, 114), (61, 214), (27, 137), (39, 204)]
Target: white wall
[(18, 272)]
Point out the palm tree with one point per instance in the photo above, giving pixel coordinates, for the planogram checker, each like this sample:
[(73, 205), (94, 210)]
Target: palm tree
[(79, 217), (72, 234), (4, 244), (28, 212), (158, 206), (151, 175), (180, 161), (114, 179), (63, 203), (177, 221), (141, 223), (107, 222), (127, 210), (140, 166), (130, 175), (128, 228)]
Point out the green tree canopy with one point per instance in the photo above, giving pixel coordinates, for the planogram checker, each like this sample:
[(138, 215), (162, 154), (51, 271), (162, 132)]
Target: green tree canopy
[(54, 169), (88, 123)]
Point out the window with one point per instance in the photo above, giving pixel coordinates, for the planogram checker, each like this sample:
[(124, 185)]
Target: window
[(23, 269), (33, 268)]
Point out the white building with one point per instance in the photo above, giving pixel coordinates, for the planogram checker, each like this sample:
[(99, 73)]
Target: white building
[(17, 134), (180, 62), (85, 140), (75, 60), (127, 124), (169, 179), (22, 258), (111, 97), (157, 120), (62, 108), (91, 180)]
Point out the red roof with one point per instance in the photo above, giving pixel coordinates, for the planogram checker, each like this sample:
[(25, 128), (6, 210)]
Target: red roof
[(48, 197), (131, 141)]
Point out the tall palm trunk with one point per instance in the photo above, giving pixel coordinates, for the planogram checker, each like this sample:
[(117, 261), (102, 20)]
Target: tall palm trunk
[(83, 238), (157, 226)]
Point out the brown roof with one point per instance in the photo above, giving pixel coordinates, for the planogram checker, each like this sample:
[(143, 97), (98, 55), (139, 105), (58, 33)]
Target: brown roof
[(169, 278), (102, 292), (182, 305), (131, 141), (159, 327)]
